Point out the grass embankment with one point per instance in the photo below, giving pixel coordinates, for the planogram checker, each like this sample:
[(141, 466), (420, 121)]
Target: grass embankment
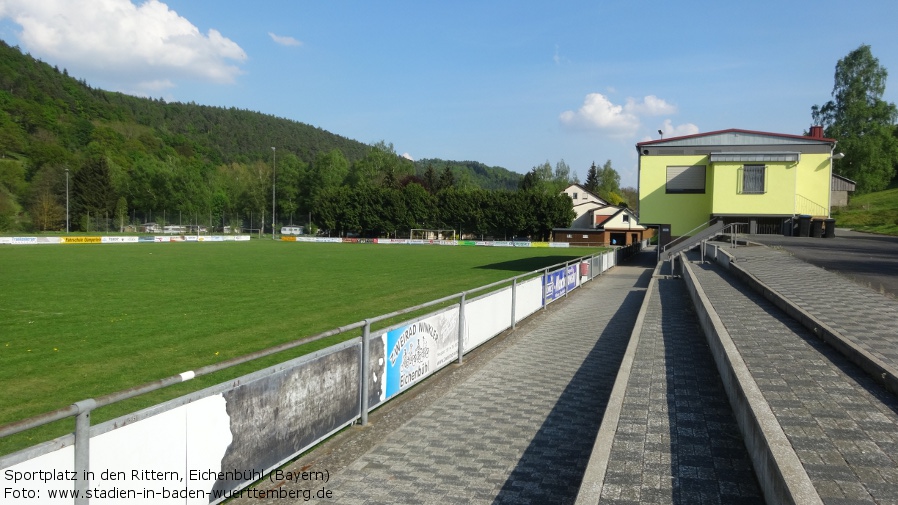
[(80, 321), (873, 212)]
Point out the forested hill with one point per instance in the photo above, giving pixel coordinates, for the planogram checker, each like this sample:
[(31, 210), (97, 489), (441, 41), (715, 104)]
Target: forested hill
[(46, 116), (140, 158), (472, 173)]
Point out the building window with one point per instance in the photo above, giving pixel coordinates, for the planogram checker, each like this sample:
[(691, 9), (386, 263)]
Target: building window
[(626, 218), (574, 197), (689, 179), (753, 180)]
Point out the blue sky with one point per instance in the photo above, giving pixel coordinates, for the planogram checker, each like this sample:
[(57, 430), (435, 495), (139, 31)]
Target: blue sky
[(512, 84)]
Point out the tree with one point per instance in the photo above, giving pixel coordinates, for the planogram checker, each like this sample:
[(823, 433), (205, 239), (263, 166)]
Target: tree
[(447, 178), (431, 181), (631, 197), (609, 184), (121, 213), (46, 212), (381, 166), (861, 121), (592, 179), (290, 175), (92, 191), (562, 177), (9, 210)]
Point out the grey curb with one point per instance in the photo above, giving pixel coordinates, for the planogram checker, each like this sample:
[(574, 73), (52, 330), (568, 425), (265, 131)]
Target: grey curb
[(594, 476), (780, 473)]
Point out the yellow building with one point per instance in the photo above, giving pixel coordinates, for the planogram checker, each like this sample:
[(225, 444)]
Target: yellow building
[(759, 178)]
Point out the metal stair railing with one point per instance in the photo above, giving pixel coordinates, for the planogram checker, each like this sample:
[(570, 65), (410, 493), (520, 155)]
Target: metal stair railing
[(806, 206), (734, 230), (689, 241)]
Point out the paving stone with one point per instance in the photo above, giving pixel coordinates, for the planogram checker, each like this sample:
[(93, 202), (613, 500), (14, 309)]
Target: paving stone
[(521, 428), (688, 447), (830, 400)]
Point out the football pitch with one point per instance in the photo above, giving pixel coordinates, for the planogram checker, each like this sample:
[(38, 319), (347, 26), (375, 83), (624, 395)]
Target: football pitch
[(80, 321)]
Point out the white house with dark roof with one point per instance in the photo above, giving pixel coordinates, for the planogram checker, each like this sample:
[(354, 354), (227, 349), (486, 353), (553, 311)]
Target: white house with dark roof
[(584, 201)]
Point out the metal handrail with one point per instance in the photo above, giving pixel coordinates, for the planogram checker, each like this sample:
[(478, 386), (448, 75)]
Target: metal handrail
[(805, 203), (688, 234), (733, 239)]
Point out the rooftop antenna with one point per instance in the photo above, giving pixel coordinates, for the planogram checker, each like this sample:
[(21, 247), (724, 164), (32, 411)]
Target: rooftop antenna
[(661, 133)]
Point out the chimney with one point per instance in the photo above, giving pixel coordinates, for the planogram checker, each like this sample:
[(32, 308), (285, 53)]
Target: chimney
[(816, 132)]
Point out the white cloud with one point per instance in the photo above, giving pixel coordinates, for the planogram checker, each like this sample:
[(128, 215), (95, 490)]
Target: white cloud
[(650, 106), (147, 46), (285, 40), (408, 156), (599, 113), (678, 131)]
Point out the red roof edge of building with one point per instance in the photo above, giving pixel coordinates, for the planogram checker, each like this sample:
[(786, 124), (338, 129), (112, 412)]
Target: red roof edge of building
[(738, 130)]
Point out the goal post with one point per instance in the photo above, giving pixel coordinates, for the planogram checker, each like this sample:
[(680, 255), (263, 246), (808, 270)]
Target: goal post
[(431, 234)]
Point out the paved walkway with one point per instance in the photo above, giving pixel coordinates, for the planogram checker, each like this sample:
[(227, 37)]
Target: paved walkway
[(842, 425), (518, 429), (864, 315), (516, 423), (677, 440)]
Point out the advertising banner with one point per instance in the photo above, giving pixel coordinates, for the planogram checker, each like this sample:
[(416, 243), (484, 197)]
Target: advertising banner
[(119, 240), (559, 282), (418, 349), (81, 240)]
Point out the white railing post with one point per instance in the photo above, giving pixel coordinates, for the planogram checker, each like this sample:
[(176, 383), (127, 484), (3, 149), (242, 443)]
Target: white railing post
[(461, 329), (514, 302), (82, 450), (365, 373)]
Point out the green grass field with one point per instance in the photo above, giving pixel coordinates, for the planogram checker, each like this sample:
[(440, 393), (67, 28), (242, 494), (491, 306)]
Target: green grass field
[(79, 321), (873, 212)]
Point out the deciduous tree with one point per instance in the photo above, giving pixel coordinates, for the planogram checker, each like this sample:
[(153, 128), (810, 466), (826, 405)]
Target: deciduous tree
[(861, 121)]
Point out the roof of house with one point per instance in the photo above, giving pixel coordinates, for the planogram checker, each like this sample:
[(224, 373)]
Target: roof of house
[(736, 136), (583, 188), (842, 183)]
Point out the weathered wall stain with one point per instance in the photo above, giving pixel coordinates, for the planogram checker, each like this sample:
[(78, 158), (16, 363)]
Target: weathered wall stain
[(275, 417)]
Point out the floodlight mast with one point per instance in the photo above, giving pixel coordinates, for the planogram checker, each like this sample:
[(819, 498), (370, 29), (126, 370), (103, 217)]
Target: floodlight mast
[(274, 165)]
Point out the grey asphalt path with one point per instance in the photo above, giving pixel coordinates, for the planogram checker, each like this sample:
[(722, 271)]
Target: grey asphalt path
[(677, 439), (514, 428), (863, 314), (842, 425)]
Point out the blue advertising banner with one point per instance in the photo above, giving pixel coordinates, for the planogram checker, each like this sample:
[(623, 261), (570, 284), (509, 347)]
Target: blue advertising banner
[(559, 282), (418, 349)]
